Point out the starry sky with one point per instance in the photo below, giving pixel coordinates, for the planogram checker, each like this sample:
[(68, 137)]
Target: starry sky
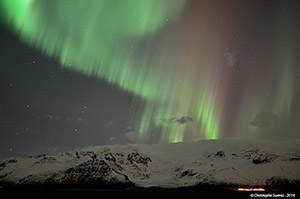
[(80, 73)]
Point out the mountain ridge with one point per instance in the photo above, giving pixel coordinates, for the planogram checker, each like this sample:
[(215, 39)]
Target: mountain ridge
[(229, 161)]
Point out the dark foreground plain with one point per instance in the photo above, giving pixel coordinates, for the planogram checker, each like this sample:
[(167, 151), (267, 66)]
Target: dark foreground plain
[(203, 191)]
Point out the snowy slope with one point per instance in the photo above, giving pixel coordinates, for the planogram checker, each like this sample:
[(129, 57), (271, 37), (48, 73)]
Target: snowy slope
[(226, 161)]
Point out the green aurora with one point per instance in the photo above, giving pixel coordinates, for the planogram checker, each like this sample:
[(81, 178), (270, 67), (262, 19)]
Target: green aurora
[(114, 40)]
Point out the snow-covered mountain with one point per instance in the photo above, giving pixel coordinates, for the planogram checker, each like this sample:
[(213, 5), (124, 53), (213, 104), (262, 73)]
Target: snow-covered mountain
[(226, 161)]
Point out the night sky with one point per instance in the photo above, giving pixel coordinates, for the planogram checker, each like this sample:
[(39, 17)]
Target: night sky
[(80, 73)]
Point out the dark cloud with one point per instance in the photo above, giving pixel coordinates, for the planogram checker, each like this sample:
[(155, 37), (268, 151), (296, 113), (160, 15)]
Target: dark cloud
[(179, 120), (109, 124), (130, 136), (184, 119), (58, 117), (264, 120), (52, 117)]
